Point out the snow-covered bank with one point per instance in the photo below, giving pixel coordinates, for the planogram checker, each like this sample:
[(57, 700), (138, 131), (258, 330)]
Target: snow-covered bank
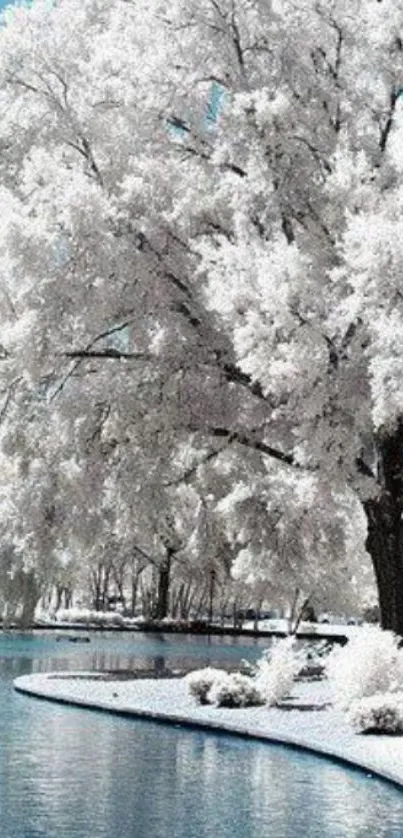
[(324, 731)]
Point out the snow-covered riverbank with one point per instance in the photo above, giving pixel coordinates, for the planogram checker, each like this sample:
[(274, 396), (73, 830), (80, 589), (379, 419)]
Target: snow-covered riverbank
[(323, 729)]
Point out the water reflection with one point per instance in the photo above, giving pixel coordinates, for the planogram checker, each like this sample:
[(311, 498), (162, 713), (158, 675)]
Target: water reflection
[(69, 773)]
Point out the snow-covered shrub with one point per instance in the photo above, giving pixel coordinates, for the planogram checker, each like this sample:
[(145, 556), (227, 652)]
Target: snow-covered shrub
[(215, 686), (380, 713), (200, 682), (277, 669), (235, 690), (370, 663)]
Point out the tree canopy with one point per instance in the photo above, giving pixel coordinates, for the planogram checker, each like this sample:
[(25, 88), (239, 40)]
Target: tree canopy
[(201, 279)]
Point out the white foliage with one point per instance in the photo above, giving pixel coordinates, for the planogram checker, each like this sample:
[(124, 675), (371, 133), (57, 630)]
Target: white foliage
[(200, 682), (223, 689), (279, 227), (370, 663), (277, 669), (235, 690)]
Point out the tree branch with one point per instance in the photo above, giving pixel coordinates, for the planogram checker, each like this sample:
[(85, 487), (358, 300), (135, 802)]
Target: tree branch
[(190, 472), (115, 354), (249, 442), (385, 131)]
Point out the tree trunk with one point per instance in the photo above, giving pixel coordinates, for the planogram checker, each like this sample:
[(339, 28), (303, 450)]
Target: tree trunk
[(59, 594), (385, 546), (30, 598), (258, 608), (133, 595), (211, 596), (164, 581), (293, 611), (385, 531)]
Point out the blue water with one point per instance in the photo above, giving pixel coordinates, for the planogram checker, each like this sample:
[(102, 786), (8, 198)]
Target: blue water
[(70, 773)]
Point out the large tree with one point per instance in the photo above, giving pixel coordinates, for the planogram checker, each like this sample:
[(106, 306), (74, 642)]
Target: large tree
[(295, 203), (242, 273)]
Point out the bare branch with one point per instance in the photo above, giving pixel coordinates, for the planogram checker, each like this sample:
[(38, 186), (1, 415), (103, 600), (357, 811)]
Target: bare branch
[(114, 354), (190, 472), (249, 442), (385, 131)]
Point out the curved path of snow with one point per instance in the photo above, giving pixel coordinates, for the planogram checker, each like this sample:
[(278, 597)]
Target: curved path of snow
[(323, 731)]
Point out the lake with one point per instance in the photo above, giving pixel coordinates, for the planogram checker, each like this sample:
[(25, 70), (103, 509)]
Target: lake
[(70, 773)]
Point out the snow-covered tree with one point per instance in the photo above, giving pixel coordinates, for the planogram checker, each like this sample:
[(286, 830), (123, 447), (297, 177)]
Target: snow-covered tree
[(172, 274), (293, 207)]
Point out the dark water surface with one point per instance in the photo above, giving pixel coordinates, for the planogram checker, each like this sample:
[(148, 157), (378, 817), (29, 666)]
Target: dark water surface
[(70, 773)]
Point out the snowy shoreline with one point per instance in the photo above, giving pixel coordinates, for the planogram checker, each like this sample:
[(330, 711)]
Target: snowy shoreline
[(322, 731)]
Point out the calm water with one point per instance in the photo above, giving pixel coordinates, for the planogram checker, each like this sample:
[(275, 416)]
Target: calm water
[(71, 773)]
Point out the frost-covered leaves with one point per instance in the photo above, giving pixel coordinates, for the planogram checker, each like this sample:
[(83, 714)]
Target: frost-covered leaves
[(370, 663), (235, 691), (139, 261), (277, 669), (290, 532), (270, 682), (215, 686), (293, 213)]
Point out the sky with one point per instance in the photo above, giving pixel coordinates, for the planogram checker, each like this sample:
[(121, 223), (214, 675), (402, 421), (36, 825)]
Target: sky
[(4, 3)]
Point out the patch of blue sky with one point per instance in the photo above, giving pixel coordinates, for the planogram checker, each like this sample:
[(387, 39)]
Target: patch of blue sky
[(214, 105), (178, 126)]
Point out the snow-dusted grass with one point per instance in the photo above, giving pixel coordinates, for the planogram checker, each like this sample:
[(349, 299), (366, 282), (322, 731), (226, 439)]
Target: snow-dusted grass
[(325, 731), (88, 617), (283, 625)]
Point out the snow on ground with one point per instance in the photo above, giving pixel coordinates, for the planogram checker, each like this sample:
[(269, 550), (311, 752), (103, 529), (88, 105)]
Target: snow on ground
[(329, 629), (322, 730)]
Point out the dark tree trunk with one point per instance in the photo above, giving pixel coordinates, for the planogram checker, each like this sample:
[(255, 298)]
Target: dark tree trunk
[(211, 596), (163, 585), (385, 531), (133, 595), (59, 594), (30, 598), (68, 597), (384, 544)]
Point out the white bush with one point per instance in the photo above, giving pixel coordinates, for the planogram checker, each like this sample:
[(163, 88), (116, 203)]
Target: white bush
[(370, 663), (215, 686), (200, 682), (380, 713), (235, 690), (277, 669)]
